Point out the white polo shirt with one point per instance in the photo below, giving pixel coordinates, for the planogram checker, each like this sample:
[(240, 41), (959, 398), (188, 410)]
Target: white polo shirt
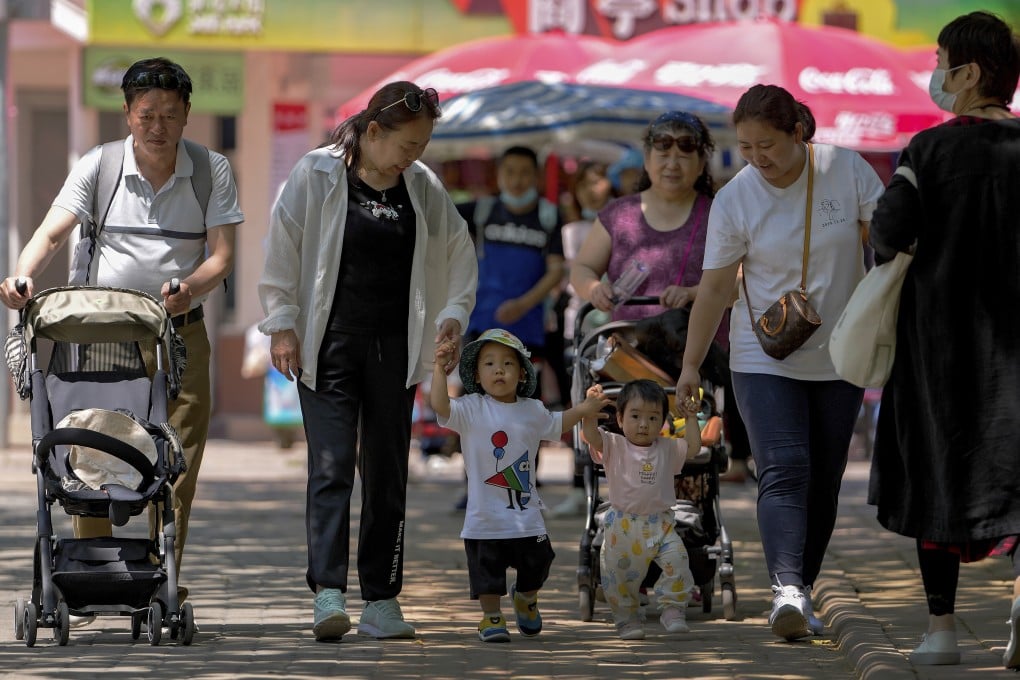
[(150, 237)]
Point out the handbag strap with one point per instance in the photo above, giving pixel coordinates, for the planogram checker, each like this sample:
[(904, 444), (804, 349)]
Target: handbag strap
[(807, 232)]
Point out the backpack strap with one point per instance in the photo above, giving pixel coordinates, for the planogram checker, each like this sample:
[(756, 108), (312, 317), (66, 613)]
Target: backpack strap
[(548, 214), (201, 175), (111, 166), (483, 211)]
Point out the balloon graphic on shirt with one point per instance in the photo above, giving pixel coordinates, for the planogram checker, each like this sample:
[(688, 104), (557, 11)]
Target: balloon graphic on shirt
[(499, 440)]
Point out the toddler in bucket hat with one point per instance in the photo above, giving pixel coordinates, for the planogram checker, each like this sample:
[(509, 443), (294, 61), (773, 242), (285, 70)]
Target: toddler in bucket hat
[(469, 362)]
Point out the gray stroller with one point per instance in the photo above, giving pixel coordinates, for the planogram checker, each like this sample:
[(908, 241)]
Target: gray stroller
[(102, 447)]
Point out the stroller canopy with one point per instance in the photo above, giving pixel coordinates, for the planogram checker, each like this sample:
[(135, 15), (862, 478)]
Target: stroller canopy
[(92, 314)]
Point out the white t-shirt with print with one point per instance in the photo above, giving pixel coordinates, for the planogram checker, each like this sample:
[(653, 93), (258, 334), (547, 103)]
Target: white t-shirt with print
[(764, 225), (640, 478), (499, 442)]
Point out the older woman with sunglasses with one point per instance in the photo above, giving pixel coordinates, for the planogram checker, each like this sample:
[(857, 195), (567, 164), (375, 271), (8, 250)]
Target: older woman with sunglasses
[(662, 226), (799, 414), (368, 267)]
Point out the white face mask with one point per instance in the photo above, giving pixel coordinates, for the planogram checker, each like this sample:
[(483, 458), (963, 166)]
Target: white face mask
[(944, 100)]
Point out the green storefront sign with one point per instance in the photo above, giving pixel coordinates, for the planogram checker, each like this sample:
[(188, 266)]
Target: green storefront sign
[(217, 78), (288, 25)]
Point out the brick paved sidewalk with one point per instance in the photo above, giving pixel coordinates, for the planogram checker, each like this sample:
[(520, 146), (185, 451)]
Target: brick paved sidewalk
[(245, 568)]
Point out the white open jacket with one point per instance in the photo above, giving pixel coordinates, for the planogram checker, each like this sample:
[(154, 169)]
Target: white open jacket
[(306, 234)]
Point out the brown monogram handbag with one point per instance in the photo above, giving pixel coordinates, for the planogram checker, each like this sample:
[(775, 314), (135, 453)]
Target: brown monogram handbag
[(791, 319)]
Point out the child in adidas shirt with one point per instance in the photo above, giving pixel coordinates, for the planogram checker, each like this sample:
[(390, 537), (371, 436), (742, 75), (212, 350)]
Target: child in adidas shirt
[(500, 429), (640, 527)]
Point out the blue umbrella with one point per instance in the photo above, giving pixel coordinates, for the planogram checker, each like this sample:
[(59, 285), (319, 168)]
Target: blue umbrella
[(543, 115)]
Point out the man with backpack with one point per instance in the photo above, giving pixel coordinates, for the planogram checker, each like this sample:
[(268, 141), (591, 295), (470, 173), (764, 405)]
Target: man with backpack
[(518, 237), (153, 207), (520, 252)]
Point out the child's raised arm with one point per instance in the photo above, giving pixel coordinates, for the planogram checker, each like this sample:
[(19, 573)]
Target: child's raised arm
[(439, 395), (590, 408)]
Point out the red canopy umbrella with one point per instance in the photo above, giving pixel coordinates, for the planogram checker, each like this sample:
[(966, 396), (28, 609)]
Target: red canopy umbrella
[(858, 88), (488, 62)]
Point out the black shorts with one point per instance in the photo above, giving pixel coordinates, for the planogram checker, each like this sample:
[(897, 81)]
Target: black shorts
[(488, 560)]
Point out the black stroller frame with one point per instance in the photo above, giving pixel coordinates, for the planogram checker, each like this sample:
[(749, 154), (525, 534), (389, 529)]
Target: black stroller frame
[(96, 371), (710, 547)]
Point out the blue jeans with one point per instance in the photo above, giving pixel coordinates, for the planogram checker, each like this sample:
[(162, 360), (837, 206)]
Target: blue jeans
[(800, 434)]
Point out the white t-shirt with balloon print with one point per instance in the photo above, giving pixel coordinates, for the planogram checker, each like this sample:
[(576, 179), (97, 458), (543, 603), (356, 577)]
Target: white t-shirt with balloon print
[(499, 442)]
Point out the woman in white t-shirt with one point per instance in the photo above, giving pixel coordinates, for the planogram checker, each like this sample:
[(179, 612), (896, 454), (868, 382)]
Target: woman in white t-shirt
[(799, 413)]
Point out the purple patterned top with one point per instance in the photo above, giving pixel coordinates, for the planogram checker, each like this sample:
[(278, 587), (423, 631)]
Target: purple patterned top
[(673, 257)]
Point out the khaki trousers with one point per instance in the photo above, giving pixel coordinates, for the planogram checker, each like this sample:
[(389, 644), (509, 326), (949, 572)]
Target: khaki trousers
[(190, 414)]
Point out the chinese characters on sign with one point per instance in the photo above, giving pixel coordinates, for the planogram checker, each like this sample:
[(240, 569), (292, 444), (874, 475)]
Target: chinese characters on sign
[(623, 18)]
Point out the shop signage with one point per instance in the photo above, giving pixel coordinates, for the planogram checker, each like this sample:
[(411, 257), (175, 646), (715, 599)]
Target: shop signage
[(289, 25), (217, 78), (623, 19)]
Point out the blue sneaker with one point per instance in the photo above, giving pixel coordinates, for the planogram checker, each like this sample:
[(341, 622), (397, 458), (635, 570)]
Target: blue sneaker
[(529, 619), (382, 619), (493, 629), (331, 620)]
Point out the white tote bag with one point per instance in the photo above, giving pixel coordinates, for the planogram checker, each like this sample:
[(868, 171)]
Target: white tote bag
[(863, 342)]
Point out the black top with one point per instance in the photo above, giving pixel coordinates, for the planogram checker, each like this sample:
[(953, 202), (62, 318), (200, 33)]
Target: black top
[(373, 287), (947, 453)]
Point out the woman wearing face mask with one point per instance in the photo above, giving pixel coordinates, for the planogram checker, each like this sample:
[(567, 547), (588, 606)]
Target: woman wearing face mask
[(799, 414), (945, 464), (368, 268)]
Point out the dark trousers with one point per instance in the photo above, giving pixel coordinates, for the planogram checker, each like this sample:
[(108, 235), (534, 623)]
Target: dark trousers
[(359, 415), (800, 435), (940, 573)]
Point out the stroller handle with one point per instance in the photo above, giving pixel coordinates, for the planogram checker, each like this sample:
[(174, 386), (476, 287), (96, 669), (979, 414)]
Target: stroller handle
[(589, 307), (21, 285)]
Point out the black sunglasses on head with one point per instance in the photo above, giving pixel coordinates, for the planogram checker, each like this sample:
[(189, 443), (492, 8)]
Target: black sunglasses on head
[(663, 142), (164, 81), (414, 100)]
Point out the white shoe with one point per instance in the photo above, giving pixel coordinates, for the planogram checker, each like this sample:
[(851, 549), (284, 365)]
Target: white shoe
[(937, 649), (75, 621), (815, 624), (1011, 658), (573, 505), (674, 620), (788, 619)]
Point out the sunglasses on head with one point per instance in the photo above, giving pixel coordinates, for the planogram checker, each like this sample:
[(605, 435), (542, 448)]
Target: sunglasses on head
[(415, 99), (664, 142), (164, 81)]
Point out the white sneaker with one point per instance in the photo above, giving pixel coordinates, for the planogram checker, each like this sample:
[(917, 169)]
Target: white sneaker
[(574, 505), (76, 621), (788, 619), (1011, 658), (674, 620), (815, 624), (937, 649)]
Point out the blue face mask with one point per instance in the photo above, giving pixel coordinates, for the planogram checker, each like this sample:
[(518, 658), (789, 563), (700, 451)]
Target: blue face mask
[(521, 202), (944, 100)]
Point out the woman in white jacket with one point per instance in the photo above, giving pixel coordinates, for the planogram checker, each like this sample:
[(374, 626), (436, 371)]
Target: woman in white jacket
[(366, 251)]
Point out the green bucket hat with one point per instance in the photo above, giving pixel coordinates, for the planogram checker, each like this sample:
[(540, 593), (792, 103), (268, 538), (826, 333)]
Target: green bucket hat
[(469, 361)]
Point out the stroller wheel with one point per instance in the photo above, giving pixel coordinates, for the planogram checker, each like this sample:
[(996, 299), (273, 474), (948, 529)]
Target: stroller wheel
[(586, 603), (31, 623), (19, 619), (154, 627), (188, 627), (62, 624), (729, 602)]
